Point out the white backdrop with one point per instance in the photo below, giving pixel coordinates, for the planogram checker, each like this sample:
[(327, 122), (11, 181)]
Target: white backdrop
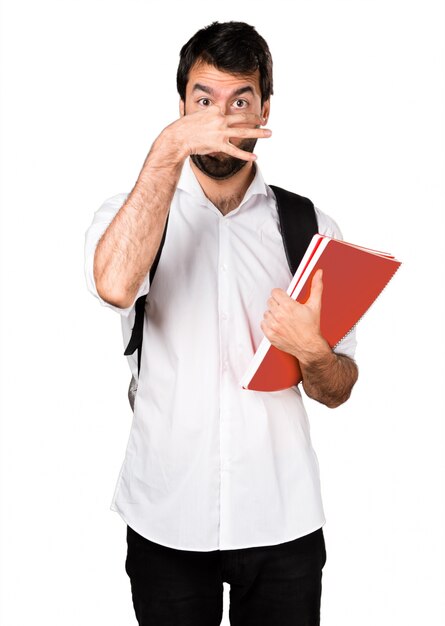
[(358, 126)]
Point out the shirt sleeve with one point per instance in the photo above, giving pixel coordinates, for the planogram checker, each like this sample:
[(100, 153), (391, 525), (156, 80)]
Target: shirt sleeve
[(101, 220), (327, 226)]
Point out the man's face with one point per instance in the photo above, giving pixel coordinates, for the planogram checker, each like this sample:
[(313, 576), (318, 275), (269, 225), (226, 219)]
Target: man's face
[(208, 86)]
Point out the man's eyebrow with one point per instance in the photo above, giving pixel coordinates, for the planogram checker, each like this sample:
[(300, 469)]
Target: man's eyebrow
[(241, 90), (199, 87), (210, 91)]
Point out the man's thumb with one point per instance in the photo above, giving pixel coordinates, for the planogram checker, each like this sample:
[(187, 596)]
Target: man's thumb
[(316, 290)]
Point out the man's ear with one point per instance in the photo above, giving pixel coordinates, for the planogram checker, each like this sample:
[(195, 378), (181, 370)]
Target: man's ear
[(181, 107), (266, 109)]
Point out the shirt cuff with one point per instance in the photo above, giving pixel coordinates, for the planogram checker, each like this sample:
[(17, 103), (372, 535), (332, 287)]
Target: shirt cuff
[(348, 344)]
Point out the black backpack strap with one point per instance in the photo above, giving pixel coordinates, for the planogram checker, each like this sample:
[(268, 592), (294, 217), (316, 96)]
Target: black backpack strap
[(298, 224), (137, 332)]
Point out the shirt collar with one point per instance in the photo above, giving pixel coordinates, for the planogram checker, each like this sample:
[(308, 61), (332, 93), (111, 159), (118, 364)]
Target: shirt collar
[(190, 184)]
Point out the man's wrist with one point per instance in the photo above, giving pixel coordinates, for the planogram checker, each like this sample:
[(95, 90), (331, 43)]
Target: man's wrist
[(317, 354), (165, 154), (170, 147)]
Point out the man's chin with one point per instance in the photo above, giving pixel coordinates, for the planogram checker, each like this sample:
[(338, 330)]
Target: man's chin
[(218, 165)]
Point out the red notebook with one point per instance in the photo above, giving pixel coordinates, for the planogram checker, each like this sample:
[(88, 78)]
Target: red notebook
[(353, 277)]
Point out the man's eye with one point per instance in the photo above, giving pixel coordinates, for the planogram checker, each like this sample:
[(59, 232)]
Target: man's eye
[(204, 101), (240, 104)]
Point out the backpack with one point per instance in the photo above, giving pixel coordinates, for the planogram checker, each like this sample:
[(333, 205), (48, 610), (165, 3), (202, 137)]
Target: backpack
[(298, 224)]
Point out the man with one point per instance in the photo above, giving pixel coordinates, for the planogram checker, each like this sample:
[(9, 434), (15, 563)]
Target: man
[(218, 483)]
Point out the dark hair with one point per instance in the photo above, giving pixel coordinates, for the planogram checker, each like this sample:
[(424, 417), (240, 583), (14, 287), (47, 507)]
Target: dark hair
[(233, 47)]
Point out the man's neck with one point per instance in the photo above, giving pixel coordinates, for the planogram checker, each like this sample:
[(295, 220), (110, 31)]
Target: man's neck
[(226, 194)]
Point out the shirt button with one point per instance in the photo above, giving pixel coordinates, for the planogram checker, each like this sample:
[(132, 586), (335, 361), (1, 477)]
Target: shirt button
[(224, 267), (224, 316)]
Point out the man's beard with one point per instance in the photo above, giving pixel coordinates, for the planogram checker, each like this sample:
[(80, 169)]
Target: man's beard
[(222, 166)]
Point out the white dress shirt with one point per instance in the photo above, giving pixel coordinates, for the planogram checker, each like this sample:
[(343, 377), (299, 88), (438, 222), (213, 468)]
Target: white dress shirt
[(210, 465)]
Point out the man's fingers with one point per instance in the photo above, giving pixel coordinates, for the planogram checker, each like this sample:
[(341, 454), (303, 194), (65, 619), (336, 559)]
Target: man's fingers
[(245, 118), (250, 132), (279, 295), (238, 153)]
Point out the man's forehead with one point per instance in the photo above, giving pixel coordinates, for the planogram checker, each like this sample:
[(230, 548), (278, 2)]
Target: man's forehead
[(204, 74)]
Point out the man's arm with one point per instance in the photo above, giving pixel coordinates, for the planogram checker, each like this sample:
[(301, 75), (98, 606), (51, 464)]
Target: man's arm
[(295, 328), (126, 250)]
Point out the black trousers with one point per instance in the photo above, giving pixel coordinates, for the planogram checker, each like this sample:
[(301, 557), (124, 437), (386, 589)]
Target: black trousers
[(277, 585)]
